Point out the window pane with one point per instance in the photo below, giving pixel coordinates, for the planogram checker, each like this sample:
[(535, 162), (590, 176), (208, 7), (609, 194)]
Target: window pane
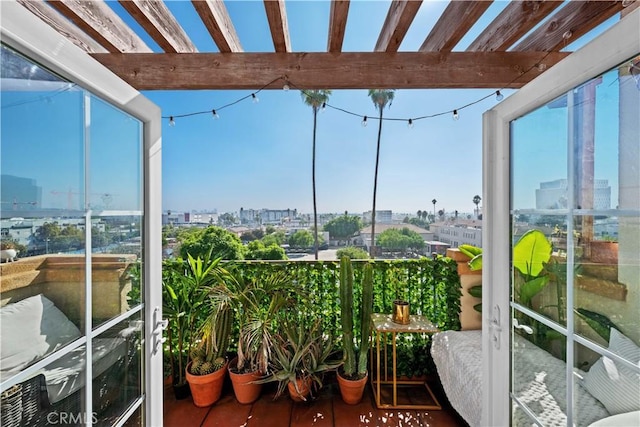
[(117, 355), (116, 272), (116, 159)]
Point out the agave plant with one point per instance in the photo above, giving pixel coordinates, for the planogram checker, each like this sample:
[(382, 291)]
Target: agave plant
[(301, 353)]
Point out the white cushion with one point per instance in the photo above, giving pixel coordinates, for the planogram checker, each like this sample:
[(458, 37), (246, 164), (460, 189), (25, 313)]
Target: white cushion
[(613, 384), (628, 419), (67, 374), (30, 329)]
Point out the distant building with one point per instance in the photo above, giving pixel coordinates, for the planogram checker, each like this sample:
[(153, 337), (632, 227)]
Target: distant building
[(554, 194), (19, 194), (382, 217), (458, 232), (202, 217), (266, 216)]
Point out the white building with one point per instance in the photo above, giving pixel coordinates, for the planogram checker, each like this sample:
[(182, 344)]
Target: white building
[(382, 217), (554, 194), (459, 232)]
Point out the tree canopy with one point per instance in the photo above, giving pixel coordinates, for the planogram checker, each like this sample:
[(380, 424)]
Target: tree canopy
[(352, 252), (258, 250), (400, 240), (222, 244), (343, 227), (301, 239)]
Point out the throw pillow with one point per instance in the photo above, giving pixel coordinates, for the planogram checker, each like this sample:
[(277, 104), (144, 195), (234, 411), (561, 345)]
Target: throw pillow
[(30, 329), (616, 386)]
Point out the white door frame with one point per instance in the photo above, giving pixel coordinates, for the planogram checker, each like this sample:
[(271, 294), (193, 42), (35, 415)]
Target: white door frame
[(30, 36), (619, 43)]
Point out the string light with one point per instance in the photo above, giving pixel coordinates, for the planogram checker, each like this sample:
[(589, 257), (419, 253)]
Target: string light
[(540, 66)]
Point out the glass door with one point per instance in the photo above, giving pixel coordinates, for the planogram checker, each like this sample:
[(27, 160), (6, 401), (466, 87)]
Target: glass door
[(562, 192), (80, 189)]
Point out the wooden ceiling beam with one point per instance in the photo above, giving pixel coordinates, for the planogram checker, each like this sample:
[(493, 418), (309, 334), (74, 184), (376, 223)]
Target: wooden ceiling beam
[(456, 20), (574, 20), (399, 18), (159, 23), (511, 24), (337, 24), (348, 70), (277, 16), (101, 23), (63, 26), (215, 17)]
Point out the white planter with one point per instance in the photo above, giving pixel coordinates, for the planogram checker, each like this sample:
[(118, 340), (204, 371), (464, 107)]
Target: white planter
[(8, 255)]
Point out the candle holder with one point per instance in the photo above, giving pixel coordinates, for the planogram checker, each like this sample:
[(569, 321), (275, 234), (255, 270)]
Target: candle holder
[(401, 312)]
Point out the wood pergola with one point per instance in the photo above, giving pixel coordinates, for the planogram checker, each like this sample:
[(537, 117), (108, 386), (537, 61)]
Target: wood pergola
[(498, 58)]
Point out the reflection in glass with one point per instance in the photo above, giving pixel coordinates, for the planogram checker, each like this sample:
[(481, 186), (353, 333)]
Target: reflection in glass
[(117, 352), (116, 159), (116, 269), (576, 180)]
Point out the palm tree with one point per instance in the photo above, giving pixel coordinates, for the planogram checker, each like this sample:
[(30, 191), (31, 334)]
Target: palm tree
[(380, 98), (476, 201), (315, 99), (424, 215), (419, 214), (434, 201)]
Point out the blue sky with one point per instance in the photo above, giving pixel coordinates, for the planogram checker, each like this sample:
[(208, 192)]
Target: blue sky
[(259, 155)]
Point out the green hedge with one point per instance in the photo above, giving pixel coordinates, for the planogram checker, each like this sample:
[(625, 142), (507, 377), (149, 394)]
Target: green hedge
[(432, 287)]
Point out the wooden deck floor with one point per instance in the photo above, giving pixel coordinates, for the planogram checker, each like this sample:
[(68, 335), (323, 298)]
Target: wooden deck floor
[(328, 410)]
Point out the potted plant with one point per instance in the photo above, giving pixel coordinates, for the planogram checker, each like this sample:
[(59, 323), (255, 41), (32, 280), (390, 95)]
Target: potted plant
[(8, 251), (301, 356), (206, 371), (258, 304), (352, 378), (184, 293)]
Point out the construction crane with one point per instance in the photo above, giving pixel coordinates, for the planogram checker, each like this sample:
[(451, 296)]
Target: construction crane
[(106, 197), (15, 203)]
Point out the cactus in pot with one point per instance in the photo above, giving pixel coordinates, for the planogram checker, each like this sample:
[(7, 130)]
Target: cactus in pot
[(354, 368)]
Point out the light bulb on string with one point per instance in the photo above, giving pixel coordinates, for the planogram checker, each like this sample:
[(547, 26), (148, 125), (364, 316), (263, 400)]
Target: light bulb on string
[(324, 107), (171, 121), (364, 122), (255, 98), (499, 96), (456, 116), (215, 114), (410, 123), (285, 87)]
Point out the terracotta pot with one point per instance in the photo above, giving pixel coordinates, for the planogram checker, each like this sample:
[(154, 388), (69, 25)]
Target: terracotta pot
[(352, 390), (206, 389), (245, 390), (604, 252), (303, 391)]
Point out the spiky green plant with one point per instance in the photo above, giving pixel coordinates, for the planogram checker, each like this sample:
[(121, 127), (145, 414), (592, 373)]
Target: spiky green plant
[(353, 368), (210, 355)]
